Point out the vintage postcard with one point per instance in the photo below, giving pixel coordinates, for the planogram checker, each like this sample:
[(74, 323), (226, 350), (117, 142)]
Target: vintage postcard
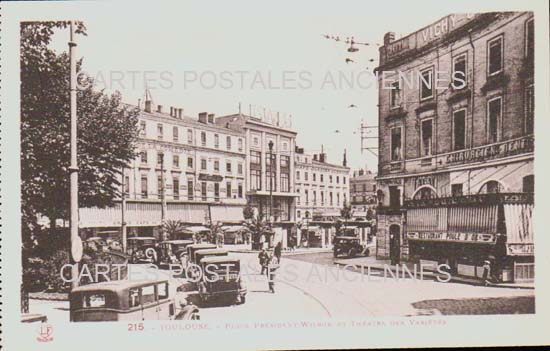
[(274, 175)]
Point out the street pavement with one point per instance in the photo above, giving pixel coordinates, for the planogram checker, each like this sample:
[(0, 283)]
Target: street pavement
[(311, 286)]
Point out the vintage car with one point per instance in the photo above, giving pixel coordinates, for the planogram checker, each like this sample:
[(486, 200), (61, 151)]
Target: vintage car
[(96, 243), (191, 249), (129, 300), (348, 246), (200, 254), (193, 232), (141, 249), (234, 234), (174, 251), (221, 278)]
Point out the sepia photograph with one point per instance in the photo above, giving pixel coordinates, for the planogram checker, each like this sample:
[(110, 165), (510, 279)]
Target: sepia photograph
[(276, 174)]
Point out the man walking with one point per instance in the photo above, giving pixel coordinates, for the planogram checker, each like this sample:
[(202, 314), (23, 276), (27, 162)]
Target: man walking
[(277, 252), (272, 270), (263, 257)]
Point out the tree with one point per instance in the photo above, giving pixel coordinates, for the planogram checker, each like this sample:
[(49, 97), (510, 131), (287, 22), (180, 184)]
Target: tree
[(248, 212), (107, 131), (345, 212), (172, 228), (258, 226), (215, 233)]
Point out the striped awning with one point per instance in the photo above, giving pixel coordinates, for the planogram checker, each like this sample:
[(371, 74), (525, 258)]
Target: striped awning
[(427, 219), (480, 219), (519, 223), (227, 213)]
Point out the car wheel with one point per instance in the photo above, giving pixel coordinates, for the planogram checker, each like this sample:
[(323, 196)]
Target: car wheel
[(367, 253), (335, 254), (242, 300), (189, 313)]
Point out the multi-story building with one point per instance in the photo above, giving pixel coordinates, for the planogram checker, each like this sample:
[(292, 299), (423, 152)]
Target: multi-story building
[(195, 164), (456, 123), (269, 169), (363, 193), (323, 190), (323, 187)]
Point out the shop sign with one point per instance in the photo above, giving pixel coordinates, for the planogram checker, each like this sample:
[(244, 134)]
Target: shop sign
[(210, 177), (520, 249), (426, 180), (508, 148), (445, 236)]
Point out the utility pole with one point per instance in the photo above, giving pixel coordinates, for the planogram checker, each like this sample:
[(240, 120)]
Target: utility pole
[(123, 214), (364, 137), (76, 243)]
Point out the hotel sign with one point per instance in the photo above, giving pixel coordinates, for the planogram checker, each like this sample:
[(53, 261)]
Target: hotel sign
[(507, 148), (457, 237), (520, 249), (425, 36)]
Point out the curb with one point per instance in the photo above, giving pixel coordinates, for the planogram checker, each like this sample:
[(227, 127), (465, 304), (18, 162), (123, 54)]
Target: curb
[(454, 279)]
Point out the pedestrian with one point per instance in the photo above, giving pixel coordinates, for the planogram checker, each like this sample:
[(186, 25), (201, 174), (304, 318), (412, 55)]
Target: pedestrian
[(263, 257), (277, 252), (272, 272)]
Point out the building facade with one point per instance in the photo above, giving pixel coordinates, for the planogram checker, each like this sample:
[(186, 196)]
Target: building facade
[(323, 187), (456, 138), (363, 193), (269, 169), (195, 164)]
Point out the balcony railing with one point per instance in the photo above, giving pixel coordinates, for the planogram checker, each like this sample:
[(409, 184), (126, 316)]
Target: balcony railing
[(471, 200)]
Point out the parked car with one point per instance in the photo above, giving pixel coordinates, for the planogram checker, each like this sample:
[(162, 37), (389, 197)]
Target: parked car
[(201, 254), (191, 249), (233, 234), (221, 278), (128, 300), (174, 251), (142, 249), (347, 246)]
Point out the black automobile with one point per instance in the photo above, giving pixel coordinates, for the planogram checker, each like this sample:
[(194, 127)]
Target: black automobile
[(347, 246)]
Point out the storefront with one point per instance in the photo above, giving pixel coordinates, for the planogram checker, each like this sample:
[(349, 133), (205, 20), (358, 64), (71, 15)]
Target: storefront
[(467, 232)]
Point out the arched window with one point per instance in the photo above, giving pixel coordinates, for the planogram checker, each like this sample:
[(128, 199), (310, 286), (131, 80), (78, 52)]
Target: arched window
[(424, 193), (491, 187)]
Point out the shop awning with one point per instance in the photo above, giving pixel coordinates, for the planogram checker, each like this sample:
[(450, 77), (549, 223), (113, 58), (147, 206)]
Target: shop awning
[(233, 228), (188, 213), (427, 219), (227, 213), (519, 228), (196, 229), (479, 219)]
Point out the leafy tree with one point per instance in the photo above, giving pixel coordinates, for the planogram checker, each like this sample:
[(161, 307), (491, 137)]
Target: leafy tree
[(107, 131), (248, 212), (345, 212), (258, 226), (172, 228)]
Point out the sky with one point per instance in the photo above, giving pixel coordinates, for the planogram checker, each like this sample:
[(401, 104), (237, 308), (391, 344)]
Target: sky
[(212, 56)]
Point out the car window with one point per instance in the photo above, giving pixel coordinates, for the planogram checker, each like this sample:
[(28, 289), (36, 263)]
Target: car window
[(93, 300), (148, 294), (162, 291), (133, 300)]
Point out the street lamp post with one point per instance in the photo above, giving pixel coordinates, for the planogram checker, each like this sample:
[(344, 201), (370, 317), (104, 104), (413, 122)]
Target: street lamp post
[(270, 144), (76, 244), (123, 214)]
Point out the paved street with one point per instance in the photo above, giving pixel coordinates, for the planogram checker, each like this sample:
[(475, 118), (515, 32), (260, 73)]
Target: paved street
[(310, 286)]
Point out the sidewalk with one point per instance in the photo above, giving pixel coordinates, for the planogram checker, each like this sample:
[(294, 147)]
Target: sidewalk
[(380, 265), (245, 248)]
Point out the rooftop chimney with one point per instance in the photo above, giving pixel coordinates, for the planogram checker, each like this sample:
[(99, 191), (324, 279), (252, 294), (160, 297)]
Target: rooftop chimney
[(211, 118), (345, 161), (389, 37), (322, 157), (180, 113), (148, 101), (314, 157), (159, 108), (171, 111), (203, 117)]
